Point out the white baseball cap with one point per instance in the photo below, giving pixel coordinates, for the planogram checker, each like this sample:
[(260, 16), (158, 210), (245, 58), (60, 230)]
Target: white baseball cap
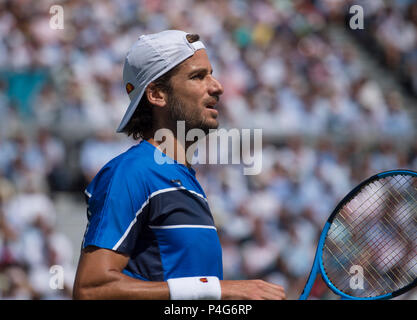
[(149, 58)]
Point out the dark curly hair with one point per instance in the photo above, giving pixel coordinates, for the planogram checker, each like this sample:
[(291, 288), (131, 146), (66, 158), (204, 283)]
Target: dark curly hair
[(141, 122)]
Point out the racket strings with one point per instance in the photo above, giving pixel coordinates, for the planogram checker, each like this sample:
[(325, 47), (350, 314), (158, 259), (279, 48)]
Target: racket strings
[(392, 228), (361, 231), (397, 250), (370, 204), (392, 249), (348, 274), (362, 228), (383, 286), (377, 235)]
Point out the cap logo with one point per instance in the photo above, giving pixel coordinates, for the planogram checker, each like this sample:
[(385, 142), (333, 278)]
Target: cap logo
[(129, 87), (204, 280)]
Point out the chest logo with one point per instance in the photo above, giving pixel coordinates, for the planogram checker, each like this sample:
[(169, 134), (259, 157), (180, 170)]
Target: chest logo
[(177, 181)]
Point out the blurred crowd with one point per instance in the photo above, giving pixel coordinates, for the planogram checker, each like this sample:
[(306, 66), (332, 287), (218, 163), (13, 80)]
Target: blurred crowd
[(391, 34), (326, 123)]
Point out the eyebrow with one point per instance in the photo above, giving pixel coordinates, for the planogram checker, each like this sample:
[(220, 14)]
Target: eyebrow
[(199, 70)]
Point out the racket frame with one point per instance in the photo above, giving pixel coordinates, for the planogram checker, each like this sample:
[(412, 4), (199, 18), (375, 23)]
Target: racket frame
[(318, 266)]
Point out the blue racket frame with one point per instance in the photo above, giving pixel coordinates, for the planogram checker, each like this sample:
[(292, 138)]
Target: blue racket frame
[(318, 266)]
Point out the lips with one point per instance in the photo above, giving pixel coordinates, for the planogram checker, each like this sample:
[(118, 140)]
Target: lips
[(211, 104)]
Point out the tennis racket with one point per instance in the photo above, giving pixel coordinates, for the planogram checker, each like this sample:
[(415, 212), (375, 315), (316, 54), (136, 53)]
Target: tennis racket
[(368, 247)]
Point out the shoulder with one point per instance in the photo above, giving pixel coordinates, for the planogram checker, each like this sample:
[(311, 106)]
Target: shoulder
[(131, 169)]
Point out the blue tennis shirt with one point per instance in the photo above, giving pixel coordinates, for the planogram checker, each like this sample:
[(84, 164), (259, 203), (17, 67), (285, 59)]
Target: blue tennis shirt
[(156, 213)]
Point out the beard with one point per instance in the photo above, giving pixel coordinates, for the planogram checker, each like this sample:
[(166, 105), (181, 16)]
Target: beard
[(193, 119)]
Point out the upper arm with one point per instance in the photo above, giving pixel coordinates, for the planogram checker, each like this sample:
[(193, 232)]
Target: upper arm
[(99, 276), (98, 266)]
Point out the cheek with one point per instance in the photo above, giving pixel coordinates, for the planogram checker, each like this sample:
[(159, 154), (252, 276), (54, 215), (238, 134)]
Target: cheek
[(191, 94), (193, 101)]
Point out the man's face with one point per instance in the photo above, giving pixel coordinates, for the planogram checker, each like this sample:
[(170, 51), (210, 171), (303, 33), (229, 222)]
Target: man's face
[(195, 93)]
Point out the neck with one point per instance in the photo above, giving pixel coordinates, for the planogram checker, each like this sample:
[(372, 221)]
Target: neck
[(170, 138), (175, 148)]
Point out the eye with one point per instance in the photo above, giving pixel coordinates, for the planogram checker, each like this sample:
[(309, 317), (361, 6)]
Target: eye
[(199, 76)]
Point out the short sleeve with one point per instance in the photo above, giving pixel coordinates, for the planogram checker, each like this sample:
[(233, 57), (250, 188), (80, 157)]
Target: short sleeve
[(115, 208)]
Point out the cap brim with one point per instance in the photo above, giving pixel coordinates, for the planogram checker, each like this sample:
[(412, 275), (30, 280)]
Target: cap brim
[(130, 110)]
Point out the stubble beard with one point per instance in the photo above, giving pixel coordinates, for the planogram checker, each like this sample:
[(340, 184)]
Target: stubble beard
[(192, 120)]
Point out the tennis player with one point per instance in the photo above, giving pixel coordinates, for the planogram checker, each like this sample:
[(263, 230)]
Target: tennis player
[(150, 232)]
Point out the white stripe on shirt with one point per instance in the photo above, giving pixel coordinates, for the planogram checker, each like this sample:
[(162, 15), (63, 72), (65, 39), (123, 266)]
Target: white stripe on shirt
[(116, 246)]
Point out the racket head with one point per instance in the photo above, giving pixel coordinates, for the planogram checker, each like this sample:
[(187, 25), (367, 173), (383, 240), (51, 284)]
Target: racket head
[(365, 230)]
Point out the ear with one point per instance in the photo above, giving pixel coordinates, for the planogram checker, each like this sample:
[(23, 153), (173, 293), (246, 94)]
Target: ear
[(155, 95)]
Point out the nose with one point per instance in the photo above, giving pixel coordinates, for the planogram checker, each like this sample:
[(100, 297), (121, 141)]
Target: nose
[(215, 87)]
